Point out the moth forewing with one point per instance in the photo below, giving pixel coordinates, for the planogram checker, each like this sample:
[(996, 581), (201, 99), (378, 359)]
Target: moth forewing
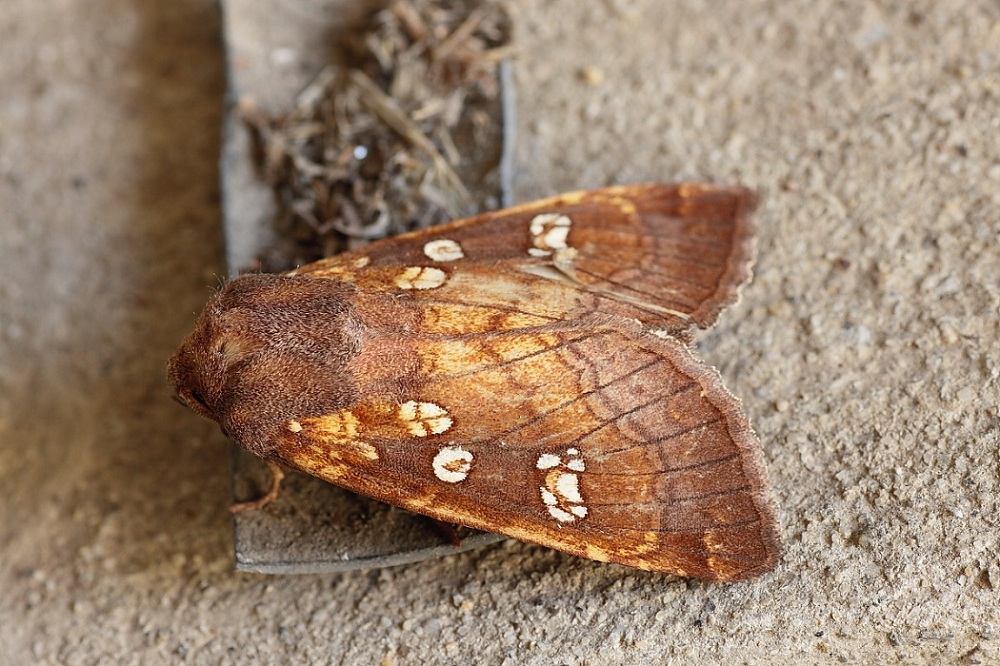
[(593, 437), (670, 255), (501, 373)]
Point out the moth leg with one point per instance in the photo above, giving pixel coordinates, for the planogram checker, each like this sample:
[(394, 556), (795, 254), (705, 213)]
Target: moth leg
[(449, 531), (277, 475)]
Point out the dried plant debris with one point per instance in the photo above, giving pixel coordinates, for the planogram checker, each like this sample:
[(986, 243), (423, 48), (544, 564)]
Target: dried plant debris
[(408, 133)]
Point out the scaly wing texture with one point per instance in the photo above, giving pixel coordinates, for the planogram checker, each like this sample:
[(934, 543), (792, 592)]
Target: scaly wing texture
[(592, 437), (671, 256), (517, 372)]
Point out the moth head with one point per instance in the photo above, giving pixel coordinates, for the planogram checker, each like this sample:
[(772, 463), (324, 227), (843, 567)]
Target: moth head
[(267, 347), (200, 369)]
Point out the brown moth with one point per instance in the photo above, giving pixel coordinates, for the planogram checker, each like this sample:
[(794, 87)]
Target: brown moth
[(523, 372)]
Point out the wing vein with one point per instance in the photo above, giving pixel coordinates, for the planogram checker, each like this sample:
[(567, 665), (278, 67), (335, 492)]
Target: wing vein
[(659, 298), (685, 257), (579, 397), (680, 500), (675, 435), (670, 278), (673, 235), (507, 362), (492, 306)]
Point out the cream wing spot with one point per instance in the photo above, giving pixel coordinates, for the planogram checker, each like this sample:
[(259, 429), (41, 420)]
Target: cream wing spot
[(549, 232), (452, 464), (547, 461), (560, 515), (420, 277), (443, 249), (424, 418), (560, 493), (568, 485)]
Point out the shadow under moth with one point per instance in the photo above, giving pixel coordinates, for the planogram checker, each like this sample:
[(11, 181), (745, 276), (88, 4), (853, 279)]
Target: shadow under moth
[(524, 372)]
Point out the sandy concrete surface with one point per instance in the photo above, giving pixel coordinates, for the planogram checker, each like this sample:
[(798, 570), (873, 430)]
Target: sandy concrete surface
[(867, 349)]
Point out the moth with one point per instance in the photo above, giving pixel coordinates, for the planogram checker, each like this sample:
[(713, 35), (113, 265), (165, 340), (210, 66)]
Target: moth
[(525, 372)]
